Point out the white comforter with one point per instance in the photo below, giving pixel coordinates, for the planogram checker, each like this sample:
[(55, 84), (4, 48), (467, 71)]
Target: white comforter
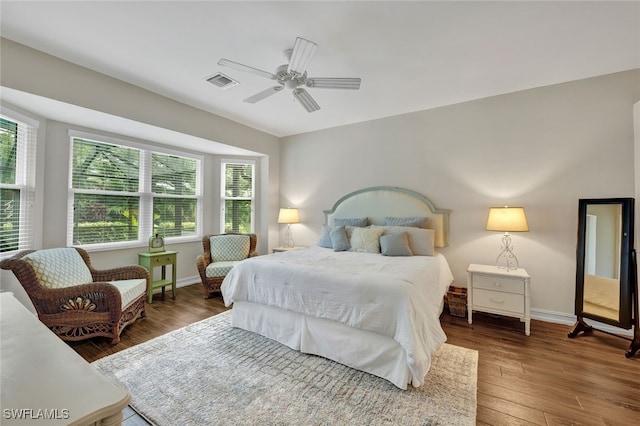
[(399, 297)]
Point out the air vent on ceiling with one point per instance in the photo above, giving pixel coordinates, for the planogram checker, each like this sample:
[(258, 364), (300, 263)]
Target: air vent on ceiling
[(222, 81)]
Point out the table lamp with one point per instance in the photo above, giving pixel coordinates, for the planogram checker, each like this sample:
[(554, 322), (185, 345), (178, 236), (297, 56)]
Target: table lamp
[(288, 216), (507, 219)]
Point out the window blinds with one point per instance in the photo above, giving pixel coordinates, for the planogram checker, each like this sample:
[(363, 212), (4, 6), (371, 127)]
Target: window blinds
[(17, 184), (237, 204), (126, 193)]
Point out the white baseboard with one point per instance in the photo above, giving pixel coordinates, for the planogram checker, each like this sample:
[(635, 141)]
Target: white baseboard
[(570, 320), (181, 283), (188, 281)]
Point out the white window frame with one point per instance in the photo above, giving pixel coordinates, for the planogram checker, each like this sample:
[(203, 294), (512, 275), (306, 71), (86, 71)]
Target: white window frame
[(145, 216), (224, 198), (25, 182)]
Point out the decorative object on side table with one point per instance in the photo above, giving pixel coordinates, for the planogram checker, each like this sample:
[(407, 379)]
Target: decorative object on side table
[(288, 216), (152, 260), (496, 291), (156, 243), (507, 219)]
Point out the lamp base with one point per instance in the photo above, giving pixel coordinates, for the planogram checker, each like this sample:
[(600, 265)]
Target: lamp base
[(507, 259), (288, 241)]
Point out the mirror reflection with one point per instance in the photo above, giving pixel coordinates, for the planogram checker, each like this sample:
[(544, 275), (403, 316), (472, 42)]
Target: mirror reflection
[(602, 260)]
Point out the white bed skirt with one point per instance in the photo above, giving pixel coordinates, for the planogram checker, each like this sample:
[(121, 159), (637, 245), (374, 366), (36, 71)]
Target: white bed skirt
[(360, 349)]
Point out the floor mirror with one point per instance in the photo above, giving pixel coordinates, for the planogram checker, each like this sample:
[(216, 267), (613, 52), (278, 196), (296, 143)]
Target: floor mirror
[(606, 272)]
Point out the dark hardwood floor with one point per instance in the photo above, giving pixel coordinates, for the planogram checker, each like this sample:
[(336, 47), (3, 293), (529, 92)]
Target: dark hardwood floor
[(543, 379)]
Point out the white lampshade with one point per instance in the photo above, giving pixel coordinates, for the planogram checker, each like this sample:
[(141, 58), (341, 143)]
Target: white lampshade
[(288, 215), (507, 219)]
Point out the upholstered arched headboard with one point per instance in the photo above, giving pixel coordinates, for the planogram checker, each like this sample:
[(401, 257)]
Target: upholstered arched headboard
[(379, 202)]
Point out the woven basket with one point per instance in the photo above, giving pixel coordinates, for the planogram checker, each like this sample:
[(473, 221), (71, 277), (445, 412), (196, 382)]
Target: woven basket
[(457, 301)]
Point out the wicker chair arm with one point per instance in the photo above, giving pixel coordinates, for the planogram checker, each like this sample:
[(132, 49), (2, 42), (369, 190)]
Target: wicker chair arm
[(202, 267), (206, 247), (97, 297)]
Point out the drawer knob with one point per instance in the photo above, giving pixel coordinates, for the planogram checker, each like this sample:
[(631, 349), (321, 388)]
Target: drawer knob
[(496, 300), (497, 284)]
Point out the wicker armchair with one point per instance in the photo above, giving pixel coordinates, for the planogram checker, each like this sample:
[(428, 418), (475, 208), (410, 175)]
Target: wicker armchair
[(221, 253), (75, 300)]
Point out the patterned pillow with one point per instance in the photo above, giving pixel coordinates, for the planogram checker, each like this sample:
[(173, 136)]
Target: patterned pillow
[(351, 221), (229, 247), (366, 240), (417, 222), (59, 267)]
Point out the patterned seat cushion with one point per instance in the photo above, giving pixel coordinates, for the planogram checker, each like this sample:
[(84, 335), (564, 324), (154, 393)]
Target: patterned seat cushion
[(59, 267), (226, 248), (220, 269), (130, 289)]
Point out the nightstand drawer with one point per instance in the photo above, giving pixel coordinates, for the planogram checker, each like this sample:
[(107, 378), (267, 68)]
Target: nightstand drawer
[(498, 301), (509, 285), (163, 260)]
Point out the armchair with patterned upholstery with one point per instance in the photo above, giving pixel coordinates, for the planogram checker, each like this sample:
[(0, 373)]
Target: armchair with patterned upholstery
[(221, 253), (75, 300)]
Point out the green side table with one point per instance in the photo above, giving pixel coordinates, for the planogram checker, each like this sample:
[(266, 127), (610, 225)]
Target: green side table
[(160, 259)]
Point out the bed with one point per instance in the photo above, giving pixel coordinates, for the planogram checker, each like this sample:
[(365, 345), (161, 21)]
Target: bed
[(376, 313)]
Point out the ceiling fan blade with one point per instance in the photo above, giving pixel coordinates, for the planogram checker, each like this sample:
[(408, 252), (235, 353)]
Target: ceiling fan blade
[(306, 100), (262, 95), (334, 83), (303, 51), (246, 68)]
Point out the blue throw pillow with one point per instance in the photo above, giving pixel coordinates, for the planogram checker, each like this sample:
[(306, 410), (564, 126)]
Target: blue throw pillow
[(351, 221), (325, 238), (395, 245), (340, 240), (416, 222)]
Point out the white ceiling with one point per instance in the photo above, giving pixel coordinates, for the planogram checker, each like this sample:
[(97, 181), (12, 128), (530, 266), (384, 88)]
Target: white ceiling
[(411, 56)]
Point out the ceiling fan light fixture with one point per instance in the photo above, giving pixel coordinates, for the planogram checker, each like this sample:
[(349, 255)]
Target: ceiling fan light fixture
[(306, 100), (293, 76), (303, 51)]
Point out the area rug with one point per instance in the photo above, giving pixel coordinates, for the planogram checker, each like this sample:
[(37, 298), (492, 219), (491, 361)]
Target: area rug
[(210, 373)]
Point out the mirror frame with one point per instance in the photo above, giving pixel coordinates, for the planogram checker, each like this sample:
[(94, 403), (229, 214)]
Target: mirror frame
[(625, 316)]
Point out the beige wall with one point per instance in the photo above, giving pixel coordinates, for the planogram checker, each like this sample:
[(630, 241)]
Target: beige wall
[(542, 149)]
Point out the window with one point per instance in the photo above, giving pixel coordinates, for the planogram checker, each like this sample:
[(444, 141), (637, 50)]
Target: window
[(17, 184), (174, 187), (237, 203), (122, 194)]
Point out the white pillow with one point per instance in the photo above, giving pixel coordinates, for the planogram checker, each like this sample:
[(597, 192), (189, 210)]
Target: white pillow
[(421, 240), (366, 240)]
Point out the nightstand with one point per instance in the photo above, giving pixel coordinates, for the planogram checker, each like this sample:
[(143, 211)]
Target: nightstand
[(159, 259), (281, 249), (498, 291)]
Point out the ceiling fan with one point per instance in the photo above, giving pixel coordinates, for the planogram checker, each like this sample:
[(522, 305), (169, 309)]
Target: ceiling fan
[(294, 76)]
